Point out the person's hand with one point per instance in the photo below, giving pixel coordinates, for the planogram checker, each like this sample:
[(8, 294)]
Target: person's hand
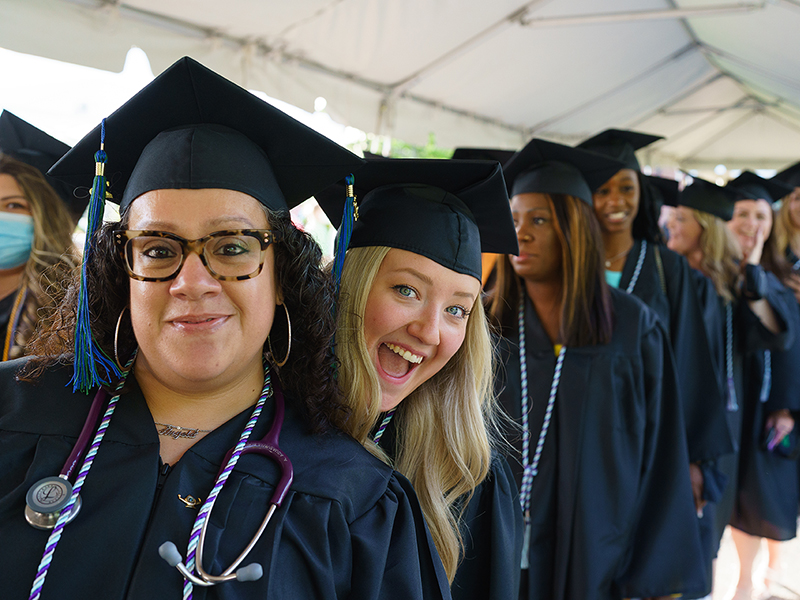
[(783, 422), (754, 258), (793, 283), (696, 477)]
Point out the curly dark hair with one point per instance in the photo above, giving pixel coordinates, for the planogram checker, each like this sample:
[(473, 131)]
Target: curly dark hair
[(309, 373)]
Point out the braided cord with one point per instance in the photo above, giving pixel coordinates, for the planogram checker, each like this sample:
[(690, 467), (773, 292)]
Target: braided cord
[(766, 381), (384, 424), (733, 405), (638, 270), (530, 470), (88, 461), (202, 515)]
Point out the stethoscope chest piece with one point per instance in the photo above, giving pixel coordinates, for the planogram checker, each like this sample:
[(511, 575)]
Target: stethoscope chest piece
[(45, 501)]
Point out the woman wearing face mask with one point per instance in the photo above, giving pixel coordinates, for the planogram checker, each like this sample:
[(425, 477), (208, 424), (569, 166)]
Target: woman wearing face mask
[(36, 249), (638, 262), (767, 497), (601, 458), (212, 463), (415, 359), (750, 312)]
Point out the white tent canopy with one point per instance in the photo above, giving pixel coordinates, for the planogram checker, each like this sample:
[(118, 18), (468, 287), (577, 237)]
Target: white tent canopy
[(720, 79)]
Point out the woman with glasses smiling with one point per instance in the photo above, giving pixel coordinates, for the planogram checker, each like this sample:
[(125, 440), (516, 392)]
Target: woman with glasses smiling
[(211, 462)]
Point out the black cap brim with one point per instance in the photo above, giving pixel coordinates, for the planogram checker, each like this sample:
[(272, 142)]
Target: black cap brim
[(436, 208), (32, 146), (561, 169), (620, 144), (186, 94)]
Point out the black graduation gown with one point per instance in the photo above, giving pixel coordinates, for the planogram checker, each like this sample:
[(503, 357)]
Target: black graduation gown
[(611, 509), (6, 306), (767, 494), (491, 529), (350, 527), (749, 335), (669, 290)]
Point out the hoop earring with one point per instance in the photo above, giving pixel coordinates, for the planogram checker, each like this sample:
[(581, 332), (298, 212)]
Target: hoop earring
[(116, 335), (288, 346)]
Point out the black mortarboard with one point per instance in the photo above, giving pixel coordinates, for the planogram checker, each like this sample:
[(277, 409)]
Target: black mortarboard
[(665, 189), (32, 146), (550, 168), (448, 211), (192, 128), (754, 187), (790, 175), (501, 156), (709, 197), (621, 145)]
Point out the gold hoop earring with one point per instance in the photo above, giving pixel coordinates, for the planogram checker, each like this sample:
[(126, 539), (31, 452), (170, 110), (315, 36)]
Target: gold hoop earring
[(288, 345), (116, 335)]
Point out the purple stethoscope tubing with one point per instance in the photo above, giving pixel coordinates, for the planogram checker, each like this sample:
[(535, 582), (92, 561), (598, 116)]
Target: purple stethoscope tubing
[(268, 446), (79, 449)]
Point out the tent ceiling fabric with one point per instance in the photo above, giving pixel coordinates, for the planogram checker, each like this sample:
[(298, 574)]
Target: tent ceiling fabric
[(720, 79)]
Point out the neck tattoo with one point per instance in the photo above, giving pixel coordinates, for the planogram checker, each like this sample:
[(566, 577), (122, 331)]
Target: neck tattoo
[(176, 432)]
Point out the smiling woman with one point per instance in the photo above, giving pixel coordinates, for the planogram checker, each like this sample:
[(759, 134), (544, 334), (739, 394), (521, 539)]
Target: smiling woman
[(201, 322), (599, 452), (415, 356)]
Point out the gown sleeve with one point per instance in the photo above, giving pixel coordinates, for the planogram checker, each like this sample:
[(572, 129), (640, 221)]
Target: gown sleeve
[(703, 399), (492, 527), (665, 553), (408, 566)]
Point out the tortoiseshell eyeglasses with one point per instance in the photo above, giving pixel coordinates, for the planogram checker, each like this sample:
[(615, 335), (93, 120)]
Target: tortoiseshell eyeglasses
[(230, 255)]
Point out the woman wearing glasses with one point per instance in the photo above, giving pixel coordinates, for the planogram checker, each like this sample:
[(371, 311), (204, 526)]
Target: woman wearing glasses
[(209, 325)]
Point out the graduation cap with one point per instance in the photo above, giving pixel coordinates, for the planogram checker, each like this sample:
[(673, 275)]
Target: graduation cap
[(550, 168), (32, 146), (191, 128), (620, 144), (448, 211), (501, 156), (666, 190), (754, 187), (710, 198), (790, 175)]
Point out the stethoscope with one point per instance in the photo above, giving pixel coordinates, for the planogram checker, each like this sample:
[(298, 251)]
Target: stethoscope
[(48, 497)]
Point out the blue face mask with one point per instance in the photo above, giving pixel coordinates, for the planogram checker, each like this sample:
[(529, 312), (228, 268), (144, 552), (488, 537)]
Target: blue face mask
[(16, 239)]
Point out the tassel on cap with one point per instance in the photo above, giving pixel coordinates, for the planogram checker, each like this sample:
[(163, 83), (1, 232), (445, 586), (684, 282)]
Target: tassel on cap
[(345, 230), (88, 356)]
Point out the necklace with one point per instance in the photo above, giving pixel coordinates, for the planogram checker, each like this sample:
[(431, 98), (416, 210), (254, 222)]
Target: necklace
[(610, 261), (176, 432)]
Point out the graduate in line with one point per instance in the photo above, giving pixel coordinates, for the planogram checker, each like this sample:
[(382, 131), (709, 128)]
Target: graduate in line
[(211, 461), (588, 375), (415, 356)]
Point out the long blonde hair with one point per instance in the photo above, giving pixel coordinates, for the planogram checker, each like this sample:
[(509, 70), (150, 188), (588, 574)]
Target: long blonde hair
[(53, 255), (783, 229), (448, 423), (720, 253)]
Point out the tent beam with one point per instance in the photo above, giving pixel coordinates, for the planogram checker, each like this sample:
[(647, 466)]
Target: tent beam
[(625, 84), (701, 85), (720, 134), (644, 15), (703, 122), (516, 16)]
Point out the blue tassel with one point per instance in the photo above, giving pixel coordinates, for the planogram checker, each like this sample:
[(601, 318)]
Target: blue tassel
[(345, 231), (88, 356)]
